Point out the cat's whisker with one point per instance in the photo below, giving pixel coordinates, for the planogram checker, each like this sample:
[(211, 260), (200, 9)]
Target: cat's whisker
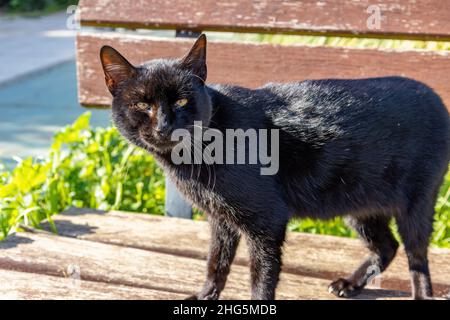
[(199, 149), (195, 153), (210, 160), (186, 147), (208, 165), (203, 81)]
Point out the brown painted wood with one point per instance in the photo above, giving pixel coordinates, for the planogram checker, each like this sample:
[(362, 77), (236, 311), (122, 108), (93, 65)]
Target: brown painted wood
[(43, 254), (31, 286), (252, 65), (400, 18), (324, 257)]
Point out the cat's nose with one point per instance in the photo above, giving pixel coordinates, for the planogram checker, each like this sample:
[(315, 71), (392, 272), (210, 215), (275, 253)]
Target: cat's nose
[(163, 127), (162, 132)]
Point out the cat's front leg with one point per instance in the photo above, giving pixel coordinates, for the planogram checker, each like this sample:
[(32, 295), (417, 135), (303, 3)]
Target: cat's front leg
[(224, 242), (265, 262)]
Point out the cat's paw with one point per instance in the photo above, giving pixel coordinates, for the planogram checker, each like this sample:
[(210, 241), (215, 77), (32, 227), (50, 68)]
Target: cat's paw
[(343, 288), (426, 297), (200, 296)]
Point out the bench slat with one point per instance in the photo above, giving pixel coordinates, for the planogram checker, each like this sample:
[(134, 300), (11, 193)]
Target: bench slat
[(321, 256), (44, 254), (51, 255), (425, 19), (252, 65), (30, 286)]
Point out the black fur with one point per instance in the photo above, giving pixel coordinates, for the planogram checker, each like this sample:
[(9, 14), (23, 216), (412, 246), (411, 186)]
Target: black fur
[(368, 149)]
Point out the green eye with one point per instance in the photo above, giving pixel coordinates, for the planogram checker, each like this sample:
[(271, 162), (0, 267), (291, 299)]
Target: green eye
[(181, 103)]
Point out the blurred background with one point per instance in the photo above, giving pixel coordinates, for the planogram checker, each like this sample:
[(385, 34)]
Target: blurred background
[(55, 154)]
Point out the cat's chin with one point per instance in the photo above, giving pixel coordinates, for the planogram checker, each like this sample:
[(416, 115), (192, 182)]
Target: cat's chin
[(153, 145)]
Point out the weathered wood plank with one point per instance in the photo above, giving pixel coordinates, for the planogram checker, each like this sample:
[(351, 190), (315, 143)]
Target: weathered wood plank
[(304, 254), (406, 18), (31, 286), (51, 255), (252, 65)]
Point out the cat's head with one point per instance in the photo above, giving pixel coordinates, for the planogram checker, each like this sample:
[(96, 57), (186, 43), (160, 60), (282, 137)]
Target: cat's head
[(153, 99)]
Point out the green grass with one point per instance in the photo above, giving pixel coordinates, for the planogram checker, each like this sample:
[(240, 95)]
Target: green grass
[(85, 167)]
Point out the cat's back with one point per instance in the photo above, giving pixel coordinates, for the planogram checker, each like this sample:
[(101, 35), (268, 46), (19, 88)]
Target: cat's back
[(396, 110), (375, 94), (368, 104)]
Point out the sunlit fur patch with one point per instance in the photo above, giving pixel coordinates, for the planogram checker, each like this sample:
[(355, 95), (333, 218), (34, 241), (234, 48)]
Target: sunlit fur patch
[(153, 115)]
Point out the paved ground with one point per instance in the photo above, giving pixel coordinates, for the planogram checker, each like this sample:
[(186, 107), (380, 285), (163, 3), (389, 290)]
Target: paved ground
[(33, 108), (30, 44), (38, 92)]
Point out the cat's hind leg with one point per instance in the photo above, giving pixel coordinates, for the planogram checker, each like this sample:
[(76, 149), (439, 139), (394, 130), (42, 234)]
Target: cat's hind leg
[(378, 238), (415, 228)]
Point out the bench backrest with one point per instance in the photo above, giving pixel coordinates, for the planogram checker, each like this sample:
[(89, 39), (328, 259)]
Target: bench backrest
[(252, 64)]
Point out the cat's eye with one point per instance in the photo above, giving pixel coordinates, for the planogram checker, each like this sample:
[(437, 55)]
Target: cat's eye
[(181, 103), (142, 105)]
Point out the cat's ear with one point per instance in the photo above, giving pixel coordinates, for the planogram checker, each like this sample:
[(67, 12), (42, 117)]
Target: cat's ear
[(195, 60), (116, 68)]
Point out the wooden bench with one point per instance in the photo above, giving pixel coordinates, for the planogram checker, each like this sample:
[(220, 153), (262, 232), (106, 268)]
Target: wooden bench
[(253, 64), (119, 255)]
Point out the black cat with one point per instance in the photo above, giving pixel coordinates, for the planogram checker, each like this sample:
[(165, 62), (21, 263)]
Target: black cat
[(369, 149)]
